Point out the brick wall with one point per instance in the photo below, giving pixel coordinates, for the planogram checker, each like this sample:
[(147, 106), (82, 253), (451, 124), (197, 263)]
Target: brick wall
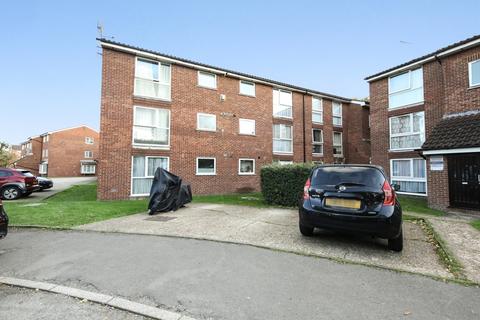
[(446, 90), (32, 160), (67, 148), (187, 143)]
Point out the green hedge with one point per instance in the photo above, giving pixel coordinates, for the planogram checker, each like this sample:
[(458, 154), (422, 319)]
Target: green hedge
[(283, 184)]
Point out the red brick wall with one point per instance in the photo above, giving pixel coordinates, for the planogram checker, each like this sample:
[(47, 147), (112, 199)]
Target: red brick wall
[(67, 148), (187, 143), (446, 90), (31, 161)]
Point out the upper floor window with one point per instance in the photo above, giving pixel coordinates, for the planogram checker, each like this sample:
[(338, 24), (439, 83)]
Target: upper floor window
[(282, 103), (474, 73), (337, 113), (317, 110), (317, 141), (206, 122), (246, 126), (407, 131), (207, 80), (151, 127), (405, 89), (337, 144), (88, 154), (247, 88), (152, 79), (45, 153), (45, 138), (282, 138), (88, 140)]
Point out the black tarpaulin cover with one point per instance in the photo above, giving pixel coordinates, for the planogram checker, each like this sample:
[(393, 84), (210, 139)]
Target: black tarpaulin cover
[(168, 192)]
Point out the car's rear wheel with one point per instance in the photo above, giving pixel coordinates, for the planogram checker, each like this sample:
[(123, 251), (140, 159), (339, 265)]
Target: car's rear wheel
[(396, 244), (306, 231), (11, 193)]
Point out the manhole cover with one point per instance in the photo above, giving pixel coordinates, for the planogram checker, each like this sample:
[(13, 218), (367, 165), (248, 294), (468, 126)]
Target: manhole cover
[(160, 218)]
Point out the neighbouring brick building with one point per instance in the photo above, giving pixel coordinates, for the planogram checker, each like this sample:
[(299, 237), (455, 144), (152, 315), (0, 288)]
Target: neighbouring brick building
[(213, 127), (62, 153), (425, 125)]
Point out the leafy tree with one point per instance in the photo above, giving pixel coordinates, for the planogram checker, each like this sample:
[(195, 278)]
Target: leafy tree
[(5, 154)]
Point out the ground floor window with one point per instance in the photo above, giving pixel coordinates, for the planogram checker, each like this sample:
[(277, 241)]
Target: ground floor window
[(87, 168), (337, 144), (206, 166), (143, 170), (282, 138), (43, 168), (283, 162), (410, 174), (246, 166)]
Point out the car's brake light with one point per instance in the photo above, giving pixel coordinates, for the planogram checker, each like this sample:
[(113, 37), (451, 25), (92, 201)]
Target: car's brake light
[(306, 196), (389, 194)]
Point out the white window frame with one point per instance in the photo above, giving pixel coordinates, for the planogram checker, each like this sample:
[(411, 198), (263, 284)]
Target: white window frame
[(250, 83), (207, 73), (470, 75), (407, 89), (45, 153), (43, 168), (410, 178), (147, 145), (146, 174), (246, 173), (334, 145), (45, 138), (159, 63), (87, 154), (247, 120), (411, 133), (199, 114), (206, 173), (317, 143), (320, 112), (283, 162), (82, 171), (279, 104), (283, 139), (88, 140), (337, 116)]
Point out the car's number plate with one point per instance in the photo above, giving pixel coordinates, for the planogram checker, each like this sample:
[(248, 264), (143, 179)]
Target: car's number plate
[(342, 203)]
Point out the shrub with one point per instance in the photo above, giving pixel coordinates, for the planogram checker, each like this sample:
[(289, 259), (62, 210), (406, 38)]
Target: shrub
[(283, 184)]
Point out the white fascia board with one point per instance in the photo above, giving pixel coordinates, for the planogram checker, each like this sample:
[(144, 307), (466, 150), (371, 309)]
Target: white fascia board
[(451, 151)]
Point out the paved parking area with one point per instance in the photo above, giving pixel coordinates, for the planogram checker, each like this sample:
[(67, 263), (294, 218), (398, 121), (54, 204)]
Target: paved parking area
[(59, 184), (277, 229)]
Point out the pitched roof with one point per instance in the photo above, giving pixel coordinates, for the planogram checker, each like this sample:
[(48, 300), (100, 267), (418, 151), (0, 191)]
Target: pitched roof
[(246, 75), (455, 131), (430, 55)]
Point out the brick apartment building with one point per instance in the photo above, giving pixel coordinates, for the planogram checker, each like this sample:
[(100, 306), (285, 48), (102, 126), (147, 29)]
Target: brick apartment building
[(213, 127), (62, 153), (425, 125)]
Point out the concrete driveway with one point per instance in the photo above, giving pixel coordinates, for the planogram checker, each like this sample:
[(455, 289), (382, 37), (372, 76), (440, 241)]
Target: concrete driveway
[(278, 229), (59, 184)]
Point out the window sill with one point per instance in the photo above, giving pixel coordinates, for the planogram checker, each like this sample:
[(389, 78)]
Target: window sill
[(283, 153), (204, 87), (317, 154), (401, 150), (407, 106), (206, 130), (150, 147), (319, 123), (338, 126), (338, 155), (247, 134), (412, 193), (205, 174), (151, 98), (476, 86), (246, 174), (246, 95), (283, 118)]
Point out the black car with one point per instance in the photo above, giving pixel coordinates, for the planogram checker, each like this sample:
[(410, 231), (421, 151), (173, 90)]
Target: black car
[(3, 221), (44, 183), (352, 198)]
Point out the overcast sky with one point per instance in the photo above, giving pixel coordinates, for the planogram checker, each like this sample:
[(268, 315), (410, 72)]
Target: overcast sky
[(50, 66)]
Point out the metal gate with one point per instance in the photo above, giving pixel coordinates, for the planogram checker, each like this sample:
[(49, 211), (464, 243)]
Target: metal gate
[(464, 180)]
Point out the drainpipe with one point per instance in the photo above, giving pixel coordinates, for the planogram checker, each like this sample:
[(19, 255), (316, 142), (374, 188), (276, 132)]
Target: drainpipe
[(303, 118)]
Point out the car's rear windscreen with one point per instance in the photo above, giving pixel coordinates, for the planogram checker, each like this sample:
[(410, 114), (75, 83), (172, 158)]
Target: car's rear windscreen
[(333, 176)]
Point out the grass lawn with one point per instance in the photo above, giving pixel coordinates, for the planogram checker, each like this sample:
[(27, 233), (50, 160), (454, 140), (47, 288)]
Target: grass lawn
[(476, 224), (72, 207), (418, 205)]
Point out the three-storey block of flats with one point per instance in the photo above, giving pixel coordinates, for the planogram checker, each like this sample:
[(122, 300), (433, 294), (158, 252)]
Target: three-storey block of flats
[(425, 125), (213, 127)]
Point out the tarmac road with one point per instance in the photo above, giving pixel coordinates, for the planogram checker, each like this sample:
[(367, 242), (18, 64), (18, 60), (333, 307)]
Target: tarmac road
[(210, 280)]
